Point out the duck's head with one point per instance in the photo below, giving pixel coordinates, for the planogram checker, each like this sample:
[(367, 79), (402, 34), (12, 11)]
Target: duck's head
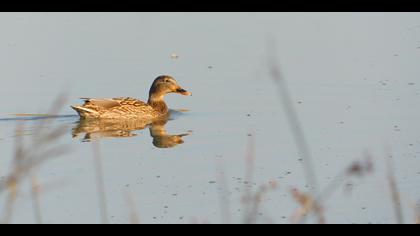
[(163, 85)]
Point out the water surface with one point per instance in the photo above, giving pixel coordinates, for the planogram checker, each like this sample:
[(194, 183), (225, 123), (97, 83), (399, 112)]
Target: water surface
[(353, 78)]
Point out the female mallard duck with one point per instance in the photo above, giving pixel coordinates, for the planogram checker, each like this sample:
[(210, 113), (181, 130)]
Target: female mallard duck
[(130, 108)]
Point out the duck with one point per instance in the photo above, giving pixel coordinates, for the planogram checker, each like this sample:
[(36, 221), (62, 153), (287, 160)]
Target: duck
[(131, 108)]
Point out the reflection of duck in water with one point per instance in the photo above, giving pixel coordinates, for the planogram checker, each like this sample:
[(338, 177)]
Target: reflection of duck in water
[(130, 108), (163, 140), (101, 128)]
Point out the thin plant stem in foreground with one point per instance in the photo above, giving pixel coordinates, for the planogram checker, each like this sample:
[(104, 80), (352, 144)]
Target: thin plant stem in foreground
[(99, 180), (36, 200), (223, 194), (28, 157), (10, 203), (396, 199), (249, 176), (309, 203), (134, 217), (293, 119)]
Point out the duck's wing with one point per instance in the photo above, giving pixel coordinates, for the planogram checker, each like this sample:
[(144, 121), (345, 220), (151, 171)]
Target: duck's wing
[(128, 101), (111, 107), (101, 102), (108, 103)]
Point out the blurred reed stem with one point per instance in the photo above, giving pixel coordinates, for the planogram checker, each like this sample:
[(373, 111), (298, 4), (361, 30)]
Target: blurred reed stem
[(224, 200), (35, 194), (292, 118), (99, 180), (395, 194), (134, 217)]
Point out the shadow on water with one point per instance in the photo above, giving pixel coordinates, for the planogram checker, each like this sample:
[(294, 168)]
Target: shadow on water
[(102, 128)]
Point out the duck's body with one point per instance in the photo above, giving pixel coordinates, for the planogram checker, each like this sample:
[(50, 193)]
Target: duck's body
[(131, 108), (119, 108)]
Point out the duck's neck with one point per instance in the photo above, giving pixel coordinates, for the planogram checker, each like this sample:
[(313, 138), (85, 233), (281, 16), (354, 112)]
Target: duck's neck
[(158, 104)]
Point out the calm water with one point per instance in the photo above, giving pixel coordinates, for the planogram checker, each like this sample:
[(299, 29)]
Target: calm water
[(354, 80)]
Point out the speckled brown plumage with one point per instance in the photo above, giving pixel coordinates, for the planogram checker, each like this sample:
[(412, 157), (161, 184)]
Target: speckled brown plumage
[(131, 108)]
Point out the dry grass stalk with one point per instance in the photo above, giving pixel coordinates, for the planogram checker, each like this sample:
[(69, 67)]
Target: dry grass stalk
[(28, 157), (100, 185), (134, 218), (395, 194), (294, 124), (249, 176), (253, 201), (36, 189), (10, 201), (309, 204), (223, 195), (293, 119)]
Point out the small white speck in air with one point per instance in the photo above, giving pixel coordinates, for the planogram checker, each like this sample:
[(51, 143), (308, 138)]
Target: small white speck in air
[(174, 56)]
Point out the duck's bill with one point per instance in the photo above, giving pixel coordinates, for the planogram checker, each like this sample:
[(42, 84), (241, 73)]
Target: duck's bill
[(183, 92)]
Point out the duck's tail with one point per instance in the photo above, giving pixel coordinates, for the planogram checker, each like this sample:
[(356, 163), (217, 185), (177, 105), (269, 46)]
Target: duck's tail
[(85, 112)]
